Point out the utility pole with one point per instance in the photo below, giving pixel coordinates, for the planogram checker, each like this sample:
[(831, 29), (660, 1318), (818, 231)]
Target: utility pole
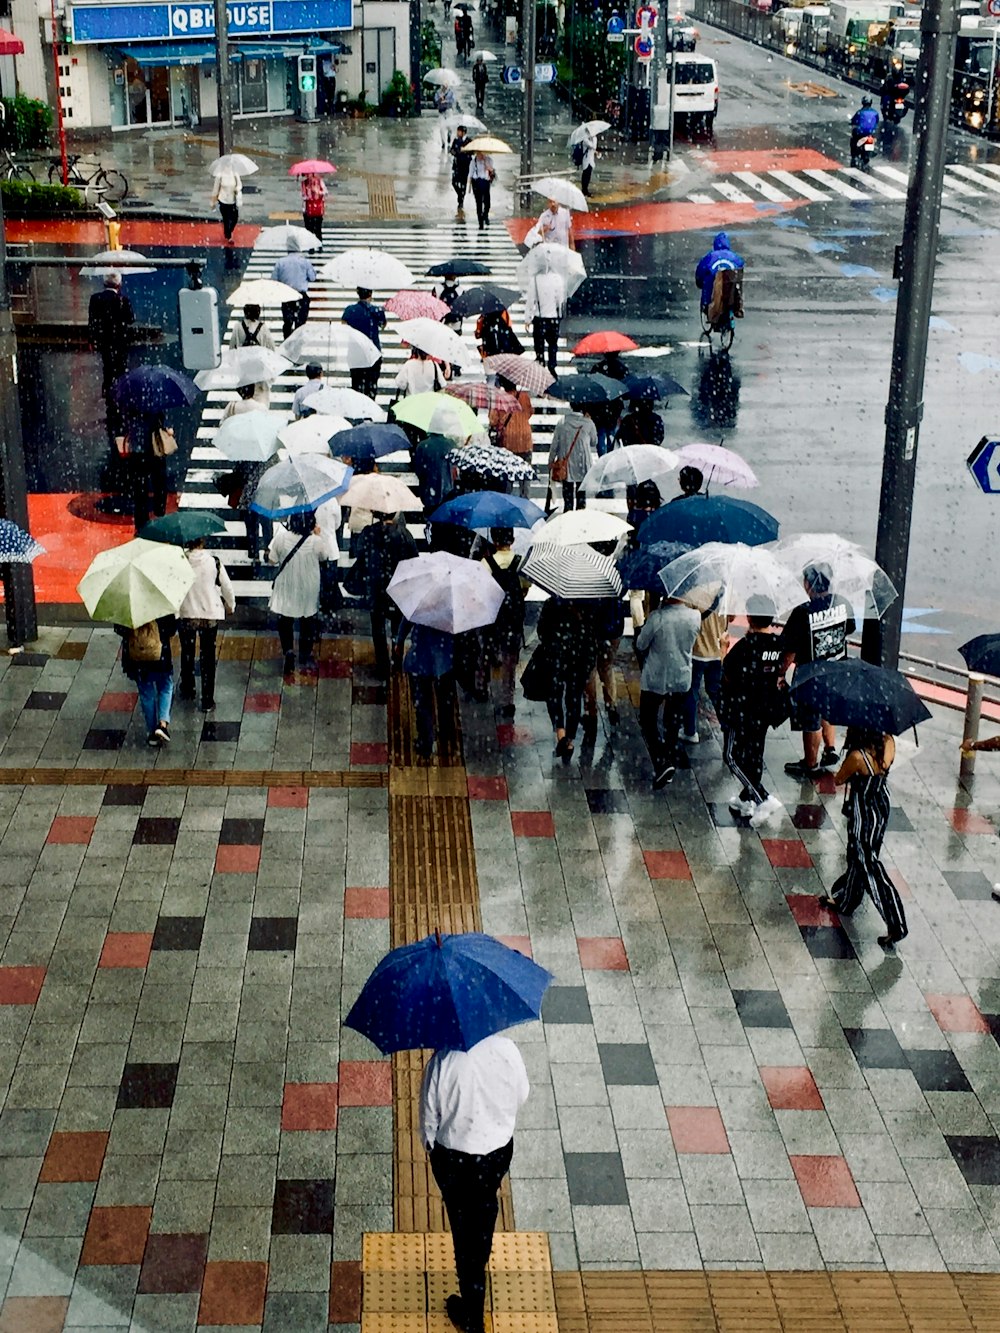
[(915, 270), (57, 75), (223, 87), (528, 109), (18, 580)]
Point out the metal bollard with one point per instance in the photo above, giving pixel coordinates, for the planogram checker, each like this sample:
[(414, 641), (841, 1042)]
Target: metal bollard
[(973, 712)]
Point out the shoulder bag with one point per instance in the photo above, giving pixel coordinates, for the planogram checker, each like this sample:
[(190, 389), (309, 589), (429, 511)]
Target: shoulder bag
[(559, 467), (164, 442)]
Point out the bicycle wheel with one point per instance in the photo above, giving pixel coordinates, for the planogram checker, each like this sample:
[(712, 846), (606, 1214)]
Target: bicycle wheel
[(19, 172), (726, 336), (113, 185), (55, 174)]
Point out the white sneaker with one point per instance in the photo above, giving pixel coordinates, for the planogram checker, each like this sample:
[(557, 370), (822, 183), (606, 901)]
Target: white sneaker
[(693, 739), (742, 808), (764, 811)]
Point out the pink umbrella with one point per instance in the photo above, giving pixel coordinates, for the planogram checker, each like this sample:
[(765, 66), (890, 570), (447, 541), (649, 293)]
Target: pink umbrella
[(485, 395), (719, 465), (313, 166), (416, 305)]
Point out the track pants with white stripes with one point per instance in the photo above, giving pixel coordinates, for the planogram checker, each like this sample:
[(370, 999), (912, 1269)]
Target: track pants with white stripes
[(867, 812), (743, 752)]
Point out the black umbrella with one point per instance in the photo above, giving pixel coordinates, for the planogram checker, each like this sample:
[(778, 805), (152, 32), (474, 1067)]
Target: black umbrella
[(983, 654), (458, 268), (853, 693), (585, 388), (485, 300), (651, 388), (148, 390)]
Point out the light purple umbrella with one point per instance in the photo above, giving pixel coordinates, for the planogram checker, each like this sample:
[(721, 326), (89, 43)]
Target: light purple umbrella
[(718, 464)]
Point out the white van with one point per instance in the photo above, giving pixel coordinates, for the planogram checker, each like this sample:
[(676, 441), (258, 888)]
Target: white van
[(696, 94)]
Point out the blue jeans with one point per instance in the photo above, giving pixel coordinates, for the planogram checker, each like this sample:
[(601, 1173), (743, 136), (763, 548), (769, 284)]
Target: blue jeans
[(711, 673), (156, 692)]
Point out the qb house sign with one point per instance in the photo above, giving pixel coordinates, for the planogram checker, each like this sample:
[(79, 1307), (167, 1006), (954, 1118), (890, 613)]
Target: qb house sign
[(147, 22)]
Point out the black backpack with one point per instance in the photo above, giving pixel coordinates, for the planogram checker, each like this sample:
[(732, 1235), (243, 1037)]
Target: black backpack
[(577, 154), (509, 623), (251, 339)]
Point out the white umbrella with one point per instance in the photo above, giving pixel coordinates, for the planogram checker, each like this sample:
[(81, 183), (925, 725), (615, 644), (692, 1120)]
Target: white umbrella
[(453, 118), (447, 78), (311, 435), (276, 238), (369, 268), (436, 340), (572, 571), (743, 571), (593, 127), (235, 164), (115, 261), (487, 56), (381, 493), (852, 573), (629, 466), (717, 464), (249, 436), (563, 192), (446, 592), (328, 341), (243, 365), (559, 258), (263, 291), (346, 403), (577, 527), (299, 484)]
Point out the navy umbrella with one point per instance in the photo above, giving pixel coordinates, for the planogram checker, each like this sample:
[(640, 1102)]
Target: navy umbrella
[(447, 992), (709, 518), (458, 268), (485, 300), (149, 390), (17, 547), (640, 567), (982, 654), (371, 441), (651, 388), (586, 388), (852, 693), (488, 509)]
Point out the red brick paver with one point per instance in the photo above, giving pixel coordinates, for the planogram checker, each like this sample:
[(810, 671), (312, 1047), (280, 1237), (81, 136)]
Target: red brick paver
[(126, 949), (365, 1083), (309, 1106), (232, 1293), (791, 1088), (825, 1182), (602, 953)]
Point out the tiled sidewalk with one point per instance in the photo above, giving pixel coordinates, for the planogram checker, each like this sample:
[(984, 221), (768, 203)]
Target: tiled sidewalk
[(726, 1077)]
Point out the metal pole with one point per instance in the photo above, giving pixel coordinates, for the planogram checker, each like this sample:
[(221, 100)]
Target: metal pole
[(915, 270), (18, 580), (223, 87), (528, 108), (673, 78), (970, 732), (60, 122)]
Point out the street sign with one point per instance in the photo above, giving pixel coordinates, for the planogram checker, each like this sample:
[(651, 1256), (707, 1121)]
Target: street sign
[(644, 47), (990, 9), (984, 464), (511, 74), (616, 37), (545, 73)]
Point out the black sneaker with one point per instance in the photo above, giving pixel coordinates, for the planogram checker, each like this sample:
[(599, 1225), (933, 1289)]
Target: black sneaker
[(829, 757), (289, 664), (800, 769)]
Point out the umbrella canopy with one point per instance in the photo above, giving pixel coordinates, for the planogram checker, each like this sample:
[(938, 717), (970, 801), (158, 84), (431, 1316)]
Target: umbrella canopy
[(486, 300), (572, 572), (576, 527), (346, 403), (480, 394), (982, 654), (445, 78), (547, 256), (182, 527), (453, 118), (487, 143), (327, 341), (458, 268), (605, 340), (852, 693), (438, 414), (588, 127), (491, 463), (235, 164), (135, 583), (262, 291), (717, 464), (651, 388), (17, 547), (743, 571), (563, 192), (709, 518), (436, 340), (447, 992), (629, 466), (416, 305), (852, 574), (299, 484), (487, 55), (115, 261), (371, 441), (374, 269), (586, 389), (149, 390), (524, 372), (312, 166), (640, 566), (312, 434), (277, 238), (250, 437), (488, 509), (446, 592), (381, 494), (243, 365)]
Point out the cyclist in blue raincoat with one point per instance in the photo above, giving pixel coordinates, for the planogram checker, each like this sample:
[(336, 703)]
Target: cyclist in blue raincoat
[(719, 257)]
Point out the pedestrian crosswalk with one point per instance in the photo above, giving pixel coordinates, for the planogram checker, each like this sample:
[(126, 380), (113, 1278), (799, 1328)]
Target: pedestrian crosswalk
[(884, 182)]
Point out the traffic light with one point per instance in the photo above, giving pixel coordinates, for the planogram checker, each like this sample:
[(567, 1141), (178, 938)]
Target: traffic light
[(307, 74)]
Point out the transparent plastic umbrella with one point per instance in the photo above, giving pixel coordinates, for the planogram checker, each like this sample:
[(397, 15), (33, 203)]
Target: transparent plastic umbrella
[(853, 574), (743, 572), (328, 341), (243, 365), (446, 592), (588, 127), (311, 435), (559, 258), (443, 77), (237, 164), (116, 261), (347, 403), (718, 464), (436, 340), (472, 123), (374, 269), (250, 437), (262, 291), (276, 238), (629, 466), (562, 191), (299, 484)]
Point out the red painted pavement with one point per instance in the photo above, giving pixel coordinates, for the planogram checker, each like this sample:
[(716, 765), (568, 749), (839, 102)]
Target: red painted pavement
[(771, 159), (136, 232), (650, 219)]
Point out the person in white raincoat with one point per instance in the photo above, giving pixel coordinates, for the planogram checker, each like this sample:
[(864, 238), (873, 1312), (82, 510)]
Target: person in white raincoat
[(297, 547)]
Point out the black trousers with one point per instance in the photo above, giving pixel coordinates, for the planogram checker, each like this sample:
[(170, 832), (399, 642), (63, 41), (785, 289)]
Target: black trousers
[(314, 223), (148, 477), (433, 700), (565, 703), (469, 1185), (307, 636), (385, 619), (743, 751), (545, 335), (365, 380), (114, 364), (573, 496), (585, 176), (661, 743), (230, 217), (460, 184), (481, 193), (294, 314), (257, 527), (189, 634)]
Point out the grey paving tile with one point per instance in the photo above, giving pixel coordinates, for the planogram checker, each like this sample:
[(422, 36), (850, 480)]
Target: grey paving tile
[(844, 1236), (542, 1205), (659, 1205), (605, 1234)]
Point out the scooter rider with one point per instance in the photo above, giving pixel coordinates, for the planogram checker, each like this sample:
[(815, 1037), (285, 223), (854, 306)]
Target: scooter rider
[(863, 122), (894, 91)]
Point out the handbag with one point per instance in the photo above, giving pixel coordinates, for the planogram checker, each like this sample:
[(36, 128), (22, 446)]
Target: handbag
[(559, 467), (164, 442), (536, 678), (331, 599)]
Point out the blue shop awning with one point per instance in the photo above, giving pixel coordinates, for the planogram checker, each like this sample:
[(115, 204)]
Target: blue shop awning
[(170, 53), (313, 46)]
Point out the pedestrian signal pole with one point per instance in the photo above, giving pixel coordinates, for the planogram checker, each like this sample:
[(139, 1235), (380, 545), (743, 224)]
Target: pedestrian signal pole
[(223, 87), (914, 267), (528, 109)]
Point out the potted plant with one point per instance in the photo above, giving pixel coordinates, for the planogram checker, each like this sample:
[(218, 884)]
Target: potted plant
[(398, 100)]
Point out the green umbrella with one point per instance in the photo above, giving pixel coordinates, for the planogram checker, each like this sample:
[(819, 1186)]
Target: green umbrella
[(183, 527), (136, 582), (438, 413)]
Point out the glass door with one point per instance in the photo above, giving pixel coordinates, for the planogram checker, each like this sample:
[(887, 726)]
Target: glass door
[(253, 85)]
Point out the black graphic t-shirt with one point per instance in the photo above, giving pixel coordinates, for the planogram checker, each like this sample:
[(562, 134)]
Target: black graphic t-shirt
[(817, 631)]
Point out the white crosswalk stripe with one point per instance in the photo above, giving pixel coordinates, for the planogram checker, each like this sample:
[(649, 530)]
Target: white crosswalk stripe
[(797, 185), (832, 180), (763, 187), (821, 185), (967, 173), (875, 183)]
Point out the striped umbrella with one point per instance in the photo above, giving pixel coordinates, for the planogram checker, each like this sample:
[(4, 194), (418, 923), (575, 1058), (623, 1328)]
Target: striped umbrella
[(416, 305), (485, 395), (572, 572), (524, 372)]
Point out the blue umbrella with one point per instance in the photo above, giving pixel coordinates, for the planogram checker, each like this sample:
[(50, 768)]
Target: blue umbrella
[(488, 509), (447, 992), (370, 441), (17, 547), (148, 390), (640, 567), (709, 518)]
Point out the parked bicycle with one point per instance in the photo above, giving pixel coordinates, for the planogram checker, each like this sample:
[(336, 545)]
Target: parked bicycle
[(91, 178), (13, 170)]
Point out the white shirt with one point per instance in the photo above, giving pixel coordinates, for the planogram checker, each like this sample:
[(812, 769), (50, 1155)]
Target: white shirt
[(556, 227), (211, 594), (228, 189), (545, 297), (469, 1100), (303, 392), (418, 375), (482, 168), (295, 591)]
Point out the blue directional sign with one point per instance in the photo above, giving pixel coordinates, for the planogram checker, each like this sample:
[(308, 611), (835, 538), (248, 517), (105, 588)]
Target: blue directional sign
[(984, 464), (545, 73), (511, 74)]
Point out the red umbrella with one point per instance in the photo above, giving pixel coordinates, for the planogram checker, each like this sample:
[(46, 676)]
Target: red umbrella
[(416, 305), (485, 395), (9, 44), (605, 341), (313, 166)]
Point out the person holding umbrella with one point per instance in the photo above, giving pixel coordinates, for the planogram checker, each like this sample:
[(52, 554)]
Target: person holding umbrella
[(555, 225), (207, 601), (544, 307), (148, 662), (314, 194), (664, 645), (109, 320), (420, 374), (367, 318), (570, 454), (430, 664), (382, 544), (753, 691), (585, 155), (297, 548), (511, 429), (461, 162), (444, 101), (295, 270), (567, 654), (482, 174), (227, 193)]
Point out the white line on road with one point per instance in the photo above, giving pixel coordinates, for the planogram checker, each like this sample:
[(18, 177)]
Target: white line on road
[(700, 199), (879, 186), (770, 192), (968, 174), (797, 184), (731, 193), (834, 183)]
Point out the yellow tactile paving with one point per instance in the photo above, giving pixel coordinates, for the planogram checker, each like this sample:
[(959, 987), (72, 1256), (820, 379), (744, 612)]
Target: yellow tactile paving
[(521, 1252), (392, 1252), (395, 1291)]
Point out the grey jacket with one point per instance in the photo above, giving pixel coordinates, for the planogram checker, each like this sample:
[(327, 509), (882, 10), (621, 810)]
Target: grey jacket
[(667, 639), (562, 442)]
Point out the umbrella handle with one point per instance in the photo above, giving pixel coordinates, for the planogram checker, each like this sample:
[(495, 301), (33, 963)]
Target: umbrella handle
[(437, 935)]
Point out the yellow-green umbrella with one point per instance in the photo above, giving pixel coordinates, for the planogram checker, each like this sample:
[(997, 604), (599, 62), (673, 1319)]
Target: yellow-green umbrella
[(438, 414), (136, 582)]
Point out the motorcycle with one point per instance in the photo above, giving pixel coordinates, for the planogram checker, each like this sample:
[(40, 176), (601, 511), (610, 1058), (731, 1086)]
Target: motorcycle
[(894, 106), (863, 151)]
